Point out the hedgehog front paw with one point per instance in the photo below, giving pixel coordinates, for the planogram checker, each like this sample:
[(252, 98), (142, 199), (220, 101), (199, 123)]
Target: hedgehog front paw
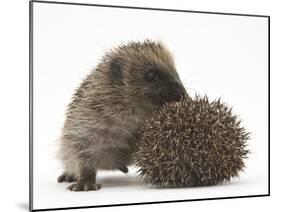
[(124, 169), (84, 186)]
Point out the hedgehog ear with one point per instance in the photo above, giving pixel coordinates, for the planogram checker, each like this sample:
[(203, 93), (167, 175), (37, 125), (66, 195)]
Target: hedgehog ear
[(116, 67)]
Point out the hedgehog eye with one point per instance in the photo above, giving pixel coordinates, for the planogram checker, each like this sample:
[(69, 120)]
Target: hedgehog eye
[(151, 76)]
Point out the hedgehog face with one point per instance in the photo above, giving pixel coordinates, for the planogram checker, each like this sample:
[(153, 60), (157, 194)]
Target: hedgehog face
[(147, 73), (160, 86)]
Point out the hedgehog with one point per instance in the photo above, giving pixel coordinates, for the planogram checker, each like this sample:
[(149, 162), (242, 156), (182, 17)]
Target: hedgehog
[(192, 142), (102, 122)]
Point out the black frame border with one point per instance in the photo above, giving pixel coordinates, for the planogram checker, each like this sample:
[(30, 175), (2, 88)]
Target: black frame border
[(31, 103)]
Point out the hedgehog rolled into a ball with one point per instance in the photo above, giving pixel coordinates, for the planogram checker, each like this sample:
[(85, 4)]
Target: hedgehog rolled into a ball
[(192, 142)]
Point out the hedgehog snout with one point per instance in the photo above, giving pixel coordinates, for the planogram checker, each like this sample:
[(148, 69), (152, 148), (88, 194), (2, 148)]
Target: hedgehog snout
[(173, 92)]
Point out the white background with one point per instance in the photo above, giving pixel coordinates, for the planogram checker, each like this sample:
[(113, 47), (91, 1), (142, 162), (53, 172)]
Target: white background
[(14, 110), (220, 56)]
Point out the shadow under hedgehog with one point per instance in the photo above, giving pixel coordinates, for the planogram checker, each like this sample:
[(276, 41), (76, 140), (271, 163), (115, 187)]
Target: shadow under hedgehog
[(103, 120)]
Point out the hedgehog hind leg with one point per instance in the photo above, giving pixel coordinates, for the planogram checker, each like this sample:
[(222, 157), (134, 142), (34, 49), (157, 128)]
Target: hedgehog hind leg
[(71, 170), (66, 177)]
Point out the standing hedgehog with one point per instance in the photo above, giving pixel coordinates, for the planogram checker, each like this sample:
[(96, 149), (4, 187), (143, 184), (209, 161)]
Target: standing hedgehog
[(107, 110)]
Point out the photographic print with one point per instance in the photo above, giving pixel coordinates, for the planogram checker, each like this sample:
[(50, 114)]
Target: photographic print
[(136, 105)]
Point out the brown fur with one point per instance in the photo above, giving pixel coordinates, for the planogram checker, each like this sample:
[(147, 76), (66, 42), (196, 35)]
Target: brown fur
[(102, 121)]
